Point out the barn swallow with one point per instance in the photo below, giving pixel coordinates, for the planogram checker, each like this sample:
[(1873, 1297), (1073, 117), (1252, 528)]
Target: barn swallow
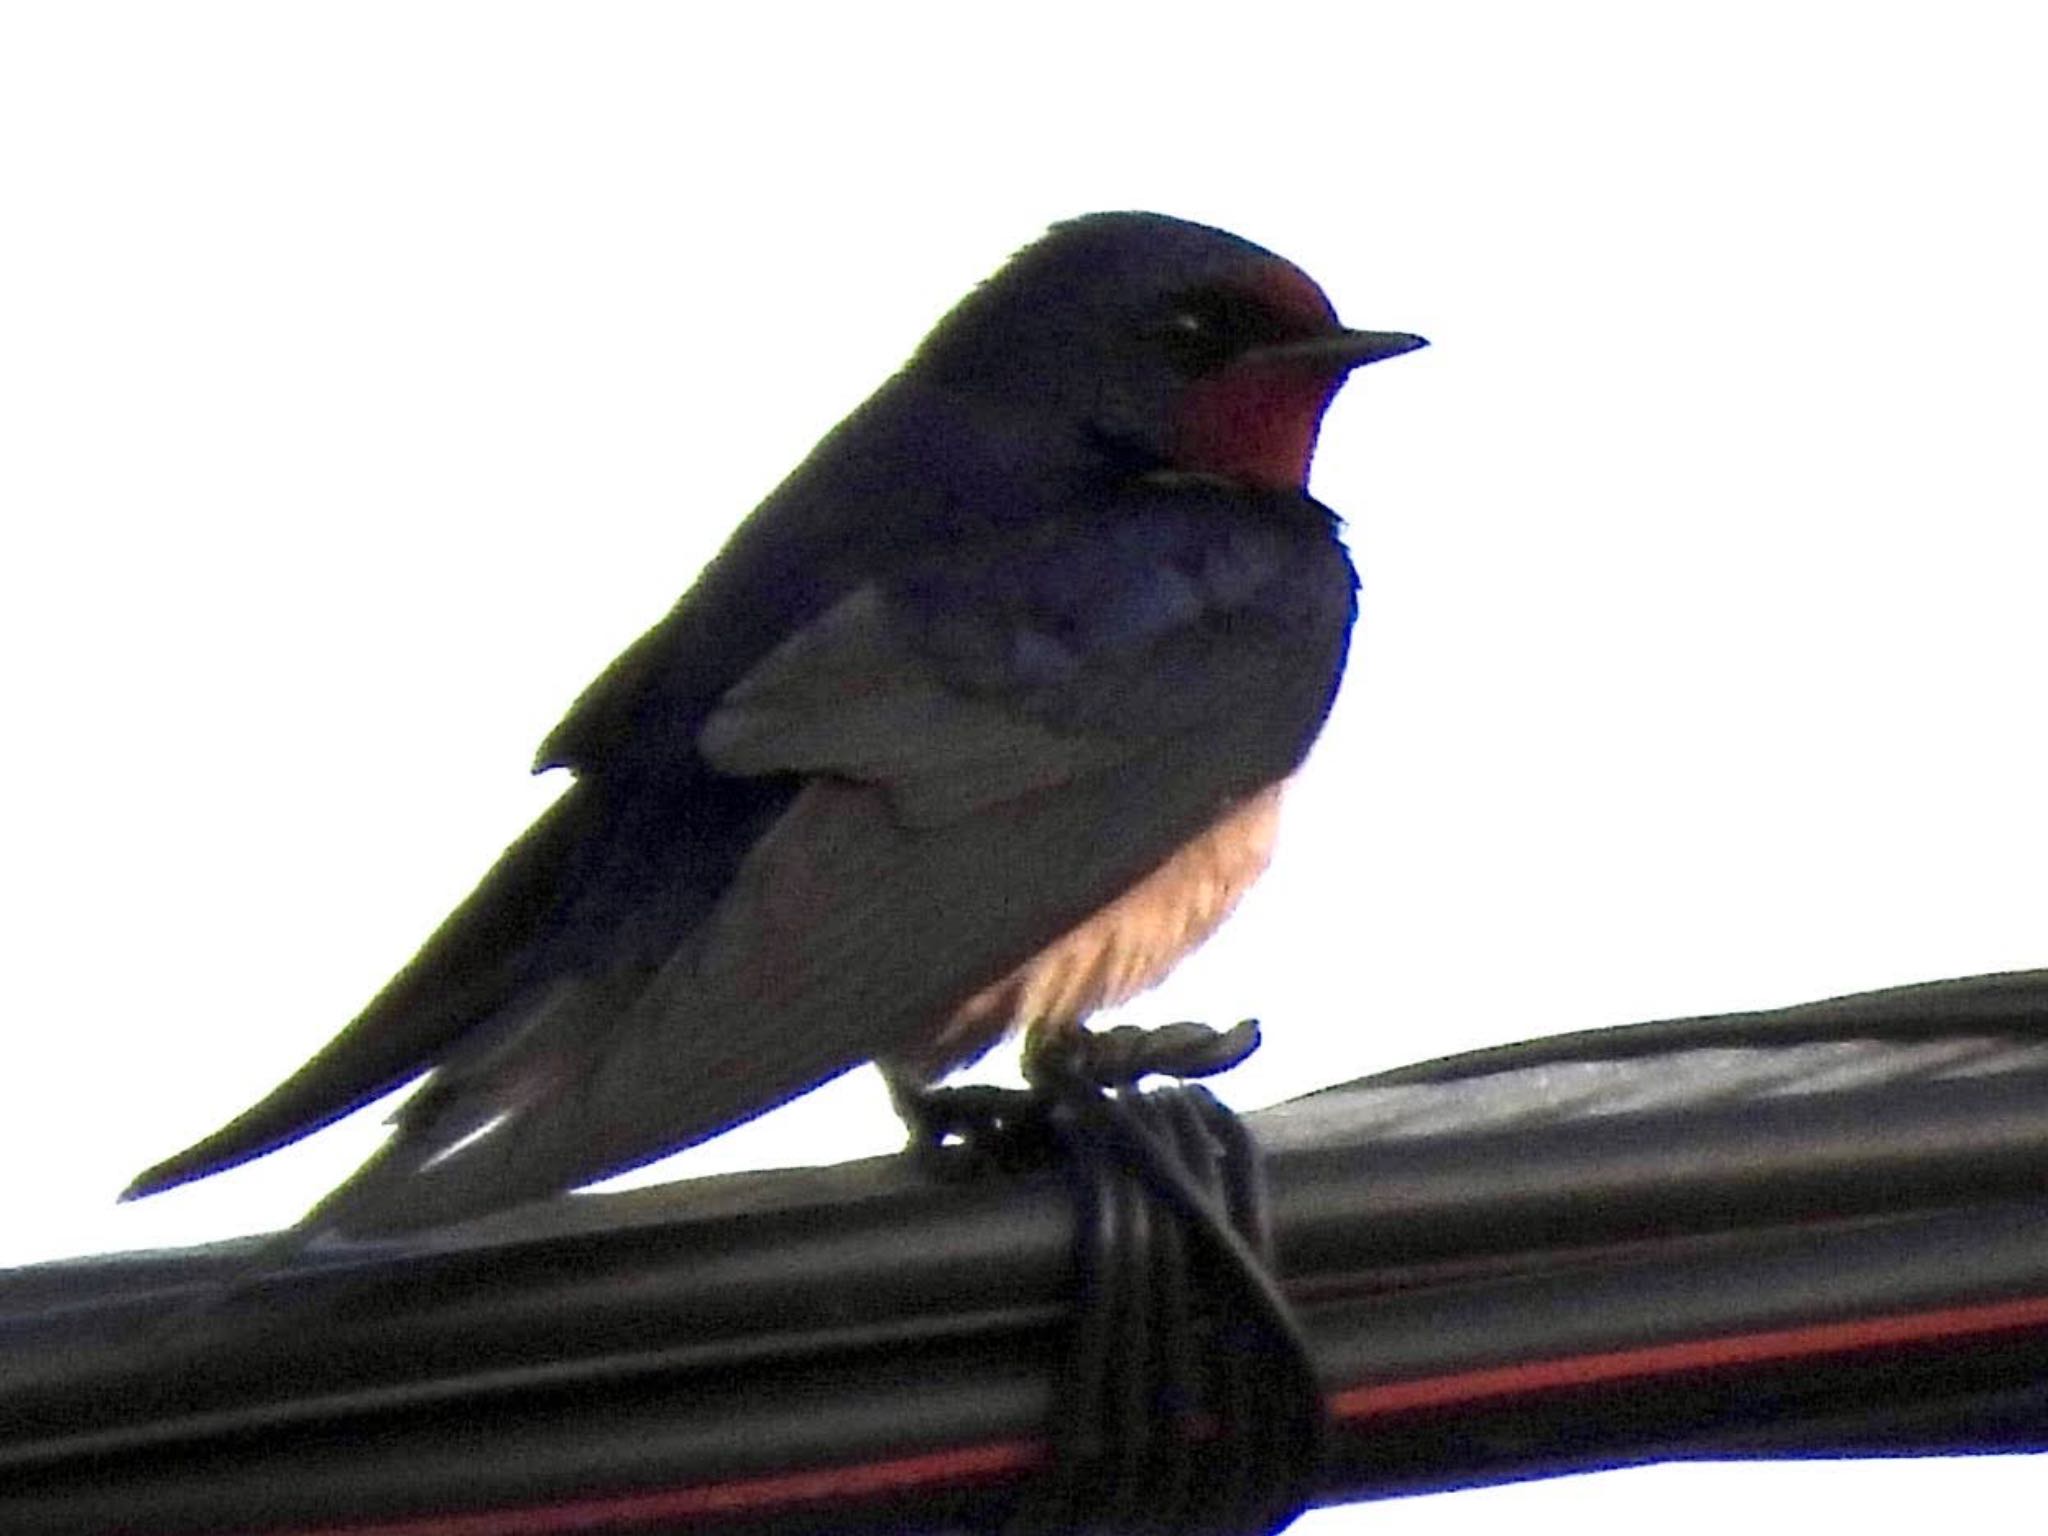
[(980, 722)]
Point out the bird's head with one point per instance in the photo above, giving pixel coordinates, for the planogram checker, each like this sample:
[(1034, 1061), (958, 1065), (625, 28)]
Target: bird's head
[(1168, 344)]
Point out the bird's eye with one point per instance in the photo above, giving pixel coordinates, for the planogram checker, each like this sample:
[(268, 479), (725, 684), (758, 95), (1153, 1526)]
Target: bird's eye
[(1205, 329), (1197, 332)]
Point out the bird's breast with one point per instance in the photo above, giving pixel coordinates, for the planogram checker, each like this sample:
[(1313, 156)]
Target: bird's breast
[(1128, 945)]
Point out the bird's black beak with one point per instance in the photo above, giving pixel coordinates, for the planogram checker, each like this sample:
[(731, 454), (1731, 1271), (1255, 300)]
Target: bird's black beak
[(1340, 351)]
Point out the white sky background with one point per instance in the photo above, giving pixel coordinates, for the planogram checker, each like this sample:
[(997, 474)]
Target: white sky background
[(370, 375)]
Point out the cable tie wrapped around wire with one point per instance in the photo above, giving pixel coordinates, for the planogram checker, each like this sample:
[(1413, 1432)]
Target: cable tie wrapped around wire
[(1188, 1400)]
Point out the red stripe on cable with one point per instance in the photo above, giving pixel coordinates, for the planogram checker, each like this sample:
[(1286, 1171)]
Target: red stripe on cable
[(1376, 1400), (755, 1495), (1007, 1459)]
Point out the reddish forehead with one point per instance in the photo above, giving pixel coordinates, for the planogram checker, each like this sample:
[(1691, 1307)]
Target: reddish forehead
[(1287, 290)]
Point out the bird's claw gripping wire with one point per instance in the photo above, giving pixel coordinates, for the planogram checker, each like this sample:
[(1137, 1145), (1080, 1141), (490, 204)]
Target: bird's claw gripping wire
[(977, 1124), (1119, 1057)]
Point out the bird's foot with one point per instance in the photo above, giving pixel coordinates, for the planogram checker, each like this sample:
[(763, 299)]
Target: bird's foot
[(1117, 1058), (975, 1125)]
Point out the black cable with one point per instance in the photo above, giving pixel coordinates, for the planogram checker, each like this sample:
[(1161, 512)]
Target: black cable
[(1498, 1283)]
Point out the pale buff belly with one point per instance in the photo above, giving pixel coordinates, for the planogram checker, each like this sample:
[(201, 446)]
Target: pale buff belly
[(1128, 945)]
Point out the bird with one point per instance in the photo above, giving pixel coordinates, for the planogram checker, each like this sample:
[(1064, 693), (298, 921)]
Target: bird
[(980, 722)]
